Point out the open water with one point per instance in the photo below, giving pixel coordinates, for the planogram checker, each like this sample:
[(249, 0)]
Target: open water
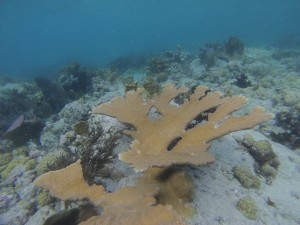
[(38, 36)]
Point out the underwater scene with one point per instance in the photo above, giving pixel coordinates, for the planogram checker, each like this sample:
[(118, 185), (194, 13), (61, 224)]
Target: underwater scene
[(158, 112)]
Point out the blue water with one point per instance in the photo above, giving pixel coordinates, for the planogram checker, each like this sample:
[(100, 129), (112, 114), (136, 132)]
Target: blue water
[(39, 36)]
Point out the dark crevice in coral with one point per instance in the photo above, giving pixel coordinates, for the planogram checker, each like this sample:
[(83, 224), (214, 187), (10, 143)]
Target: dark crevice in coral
[(129, 127), (205, 93), (173, 143), (202, 117), (179, 99), (72, 216), (167, 173)]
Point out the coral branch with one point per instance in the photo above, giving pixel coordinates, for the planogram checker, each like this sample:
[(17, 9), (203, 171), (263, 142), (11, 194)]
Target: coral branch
[(129, 205), (69, 184), (153, 138)]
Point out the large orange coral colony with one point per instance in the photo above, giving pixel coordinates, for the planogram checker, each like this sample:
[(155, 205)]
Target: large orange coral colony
[(152, 137)]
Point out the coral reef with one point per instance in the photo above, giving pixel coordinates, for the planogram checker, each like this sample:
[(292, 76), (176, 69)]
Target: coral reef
[(274, 75), (282, 54), (234, 46), (177, 56), (53, 94), (290, 122), (64, 122), (130, 84), (242, 81), (157, 65), (74, 80), (151, 87), (208, 55), (166, 141)]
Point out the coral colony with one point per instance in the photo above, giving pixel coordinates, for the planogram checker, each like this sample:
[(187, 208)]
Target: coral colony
[(158, 144)]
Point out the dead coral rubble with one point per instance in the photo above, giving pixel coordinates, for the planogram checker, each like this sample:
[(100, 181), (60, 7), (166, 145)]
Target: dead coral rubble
[(152, 139)]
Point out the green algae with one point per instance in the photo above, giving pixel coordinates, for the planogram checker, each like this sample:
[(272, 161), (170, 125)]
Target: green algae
[(21, 151), (81, 128), (267, 162), (53, 161), (246, 178), (248, 207), (268, 171), (27, 162), (44, 198), (5, 158)]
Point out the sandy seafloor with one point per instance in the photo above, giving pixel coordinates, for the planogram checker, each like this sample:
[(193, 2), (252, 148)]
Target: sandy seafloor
[(217, 191)]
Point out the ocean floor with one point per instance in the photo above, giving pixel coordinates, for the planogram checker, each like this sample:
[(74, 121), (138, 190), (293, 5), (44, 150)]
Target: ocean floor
[(218, 192), (254, 180)]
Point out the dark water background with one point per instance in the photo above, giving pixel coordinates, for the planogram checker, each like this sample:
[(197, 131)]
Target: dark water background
[(38, 36)]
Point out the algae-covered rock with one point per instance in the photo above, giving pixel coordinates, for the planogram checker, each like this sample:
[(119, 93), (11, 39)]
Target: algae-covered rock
[(151, 86), (4, 173), (267, 162), (81, 128), (44, 198), (130, 84), (248, 207), (21, 151), (53, 161), (27, 162), (246, 178), (5, 158), (30, 164), (248, 140), (268, 171), (262, 151), (161, 77)]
